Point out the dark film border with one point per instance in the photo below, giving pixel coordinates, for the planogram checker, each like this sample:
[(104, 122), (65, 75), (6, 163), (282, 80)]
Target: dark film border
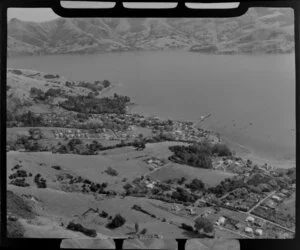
[(119, 11)]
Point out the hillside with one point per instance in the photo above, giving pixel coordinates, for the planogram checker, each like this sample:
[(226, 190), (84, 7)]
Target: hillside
[(20, 84), (260, 30)]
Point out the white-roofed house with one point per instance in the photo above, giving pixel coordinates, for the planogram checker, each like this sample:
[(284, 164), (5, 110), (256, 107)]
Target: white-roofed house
[(248, 230), (259, 232)]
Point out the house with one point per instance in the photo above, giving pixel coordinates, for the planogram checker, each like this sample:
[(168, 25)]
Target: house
[(284, 191), (221, 221), (248, 230), (270, 204), (281, 195), (150, 185), (250, 219), (259, 232), (259, 222), (192, 212), (276, 198), (238, 225)]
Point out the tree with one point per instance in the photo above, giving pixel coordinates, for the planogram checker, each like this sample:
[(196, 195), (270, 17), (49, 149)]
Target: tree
[(111, 171), (136, 227), (195, 184), (204, 224), (116, 222), (221, 150)]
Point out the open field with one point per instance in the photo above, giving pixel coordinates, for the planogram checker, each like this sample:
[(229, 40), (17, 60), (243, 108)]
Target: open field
[(209, 177)]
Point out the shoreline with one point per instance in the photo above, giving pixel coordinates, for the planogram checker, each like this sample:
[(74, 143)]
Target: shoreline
[(246, 151), (242, 150)]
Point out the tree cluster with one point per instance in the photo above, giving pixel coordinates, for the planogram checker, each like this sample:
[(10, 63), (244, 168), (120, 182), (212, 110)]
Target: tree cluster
[(199, 154), (90, 104), (116, 222), (183, 195), (195, 185), (79, 228), (228, 185), (39, 181), (111, 171)]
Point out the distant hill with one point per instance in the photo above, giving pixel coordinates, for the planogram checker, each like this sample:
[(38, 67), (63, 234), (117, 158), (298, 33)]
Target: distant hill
[(260, 30)]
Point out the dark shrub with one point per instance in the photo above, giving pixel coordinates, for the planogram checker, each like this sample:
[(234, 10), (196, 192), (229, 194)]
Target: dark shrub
[(16, 72), (195, 184), (50, 76), (127, 186), (56, 167), (79, 228), (86, 181), (221, 150), (116, 222), (16, 167), (181, 180), (187, 227), (204, 224), (104, 214), (19, 173), (40, 182), (19, 182), (111, 171)]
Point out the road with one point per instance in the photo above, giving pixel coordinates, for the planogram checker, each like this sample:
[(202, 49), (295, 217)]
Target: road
[(261, 201), (273, 223), (235, 232)]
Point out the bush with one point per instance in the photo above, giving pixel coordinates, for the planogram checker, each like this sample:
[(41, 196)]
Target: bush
[(127, 186), (20, 182), (104, 214), (40, 182), (111, 171), (79, 228), (221, 150), (56, 167), (16, 72), (16, 167), (204, 224), (20, 173), (116, 222), (187, 227), (50, 76), (195, 184), (181, 180)]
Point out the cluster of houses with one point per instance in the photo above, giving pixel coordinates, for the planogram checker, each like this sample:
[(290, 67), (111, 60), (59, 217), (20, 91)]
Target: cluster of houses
[(154, 163), (249, 229), (276, 199), (64, 120), (179, 130)]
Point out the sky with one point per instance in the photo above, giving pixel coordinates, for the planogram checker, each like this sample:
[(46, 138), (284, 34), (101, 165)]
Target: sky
[(46, 14)]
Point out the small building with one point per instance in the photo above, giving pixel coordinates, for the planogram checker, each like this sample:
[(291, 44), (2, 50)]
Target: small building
[(250, 219), (270, 204), (276, 198), (259, 232), (281, 195), (150, 185), (259, 222), (284, 191), (238, 225), (221, 220), (248, 230)]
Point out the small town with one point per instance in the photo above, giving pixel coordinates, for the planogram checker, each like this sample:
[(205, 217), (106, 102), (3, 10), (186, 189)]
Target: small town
[(139, 170)]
